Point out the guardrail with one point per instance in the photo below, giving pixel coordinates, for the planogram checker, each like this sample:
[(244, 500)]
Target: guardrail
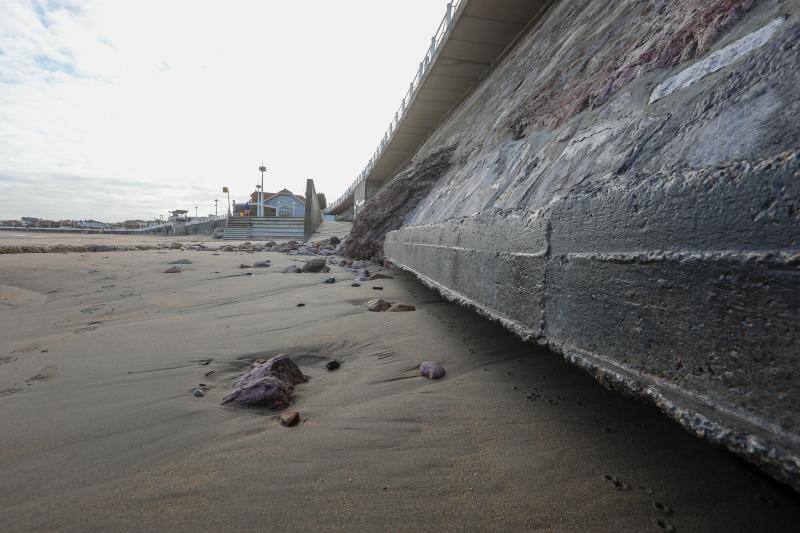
[(413, 88)]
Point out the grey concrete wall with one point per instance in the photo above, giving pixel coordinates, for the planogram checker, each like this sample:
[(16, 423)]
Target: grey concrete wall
[(624, 189), (313, 214)]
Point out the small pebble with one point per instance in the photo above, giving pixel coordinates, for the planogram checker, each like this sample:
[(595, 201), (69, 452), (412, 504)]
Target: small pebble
[(377, 288), (330, 280), (431, 370), (290, 418), (355, 284), (198, 393), (332, 365), (301, 305)]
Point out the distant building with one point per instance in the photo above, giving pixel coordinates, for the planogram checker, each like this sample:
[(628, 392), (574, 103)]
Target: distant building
[(179, 215), (91, 224), (29, 221), (283, 203)]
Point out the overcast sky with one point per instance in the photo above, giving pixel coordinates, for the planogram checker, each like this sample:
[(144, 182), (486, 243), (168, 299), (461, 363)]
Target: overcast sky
[(127, 109)]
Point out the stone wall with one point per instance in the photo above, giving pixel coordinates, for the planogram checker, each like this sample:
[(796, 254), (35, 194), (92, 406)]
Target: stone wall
[(623, 187)]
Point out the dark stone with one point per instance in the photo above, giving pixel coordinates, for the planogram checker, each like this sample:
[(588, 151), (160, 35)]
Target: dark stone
[(182, 262), (431, 370), (398, 308), (334, 240), (330, 279), (198, 393), (355, 284), (301, 305), (261, 264), (270, 384), (245, 266), (332, 365), (314, 265), (376, 288), (173, 270)]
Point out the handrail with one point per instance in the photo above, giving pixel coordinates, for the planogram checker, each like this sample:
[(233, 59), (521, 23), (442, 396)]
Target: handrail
[(424, 66)]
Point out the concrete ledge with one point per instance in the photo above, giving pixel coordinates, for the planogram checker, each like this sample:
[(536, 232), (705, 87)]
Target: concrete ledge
[(680, 289)]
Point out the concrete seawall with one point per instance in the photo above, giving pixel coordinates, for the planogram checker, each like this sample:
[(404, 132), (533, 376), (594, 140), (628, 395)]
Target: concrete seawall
[(623, 187)]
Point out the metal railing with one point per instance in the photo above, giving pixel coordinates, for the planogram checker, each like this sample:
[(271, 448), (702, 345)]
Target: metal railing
[(424, 67)]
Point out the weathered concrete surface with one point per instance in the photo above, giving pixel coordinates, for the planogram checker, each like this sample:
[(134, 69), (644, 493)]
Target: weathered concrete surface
[(313, 215), (652, 236)]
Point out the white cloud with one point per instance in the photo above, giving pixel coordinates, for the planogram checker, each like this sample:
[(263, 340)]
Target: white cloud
[(187, 96)]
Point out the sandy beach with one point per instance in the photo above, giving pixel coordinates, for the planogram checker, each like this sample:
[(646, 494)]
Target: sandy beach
[(99, 353)]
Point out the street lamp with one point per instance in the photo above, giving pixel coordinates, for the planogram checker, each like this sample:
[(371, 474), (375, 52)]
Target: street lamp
[(263, 169), (215, 207), (195, 213)]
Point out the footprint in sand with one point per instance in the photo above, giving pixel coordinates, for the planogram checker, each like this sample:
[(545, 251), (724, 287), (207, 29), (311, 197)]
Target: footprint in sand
[(617, 482), (662, 507), (46, 374), (663, 525), (766, 501)]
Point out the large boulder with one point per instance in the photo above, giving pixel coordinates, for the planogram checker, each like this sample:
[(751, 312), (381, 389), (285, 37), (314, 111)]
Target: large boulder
[(270, 384)]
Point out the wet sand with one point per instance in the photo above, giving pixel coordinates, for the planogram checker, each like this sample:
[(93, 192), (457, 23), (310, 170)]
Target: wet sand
[(99, 353)]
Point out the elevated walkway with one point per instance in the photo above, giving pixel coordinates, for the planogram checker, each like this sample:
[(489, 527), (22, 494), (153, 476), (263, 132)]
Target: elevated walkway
[(472, 37), (264, 228)]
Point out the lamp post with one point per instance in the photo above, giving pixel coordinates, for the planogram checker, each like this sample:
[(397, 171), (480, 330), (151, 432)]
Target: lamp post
[(258, 200), (215, 207), (263, 169), (195, 213)]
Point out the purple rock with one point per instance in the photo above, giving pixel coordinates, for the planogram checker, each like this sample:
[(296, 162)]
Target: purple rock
[(431, 370), (270, 384)]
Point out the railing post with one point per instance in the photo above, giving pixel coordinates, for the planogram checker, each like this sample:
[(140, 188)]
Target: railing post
[(449, 14)]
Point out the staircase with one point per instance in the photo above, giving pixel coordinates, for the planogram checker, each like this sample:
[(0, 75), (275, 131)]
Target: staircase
[(264, 229)]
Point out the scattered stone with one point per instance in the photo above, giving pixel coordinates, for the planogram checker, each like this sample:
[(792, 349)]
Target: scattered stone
[(301, 305), (290, 418), (204, 363), (261, 264), (332, 365), (329, 280), (198, 393), (378, 275), (291, 269), (431, 370), (399, 308), (270, 384), (355, 284), (245, 266), (334, 240), (378, 305), (377, 288), (182, 262), (173, 270), (314, 265)]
